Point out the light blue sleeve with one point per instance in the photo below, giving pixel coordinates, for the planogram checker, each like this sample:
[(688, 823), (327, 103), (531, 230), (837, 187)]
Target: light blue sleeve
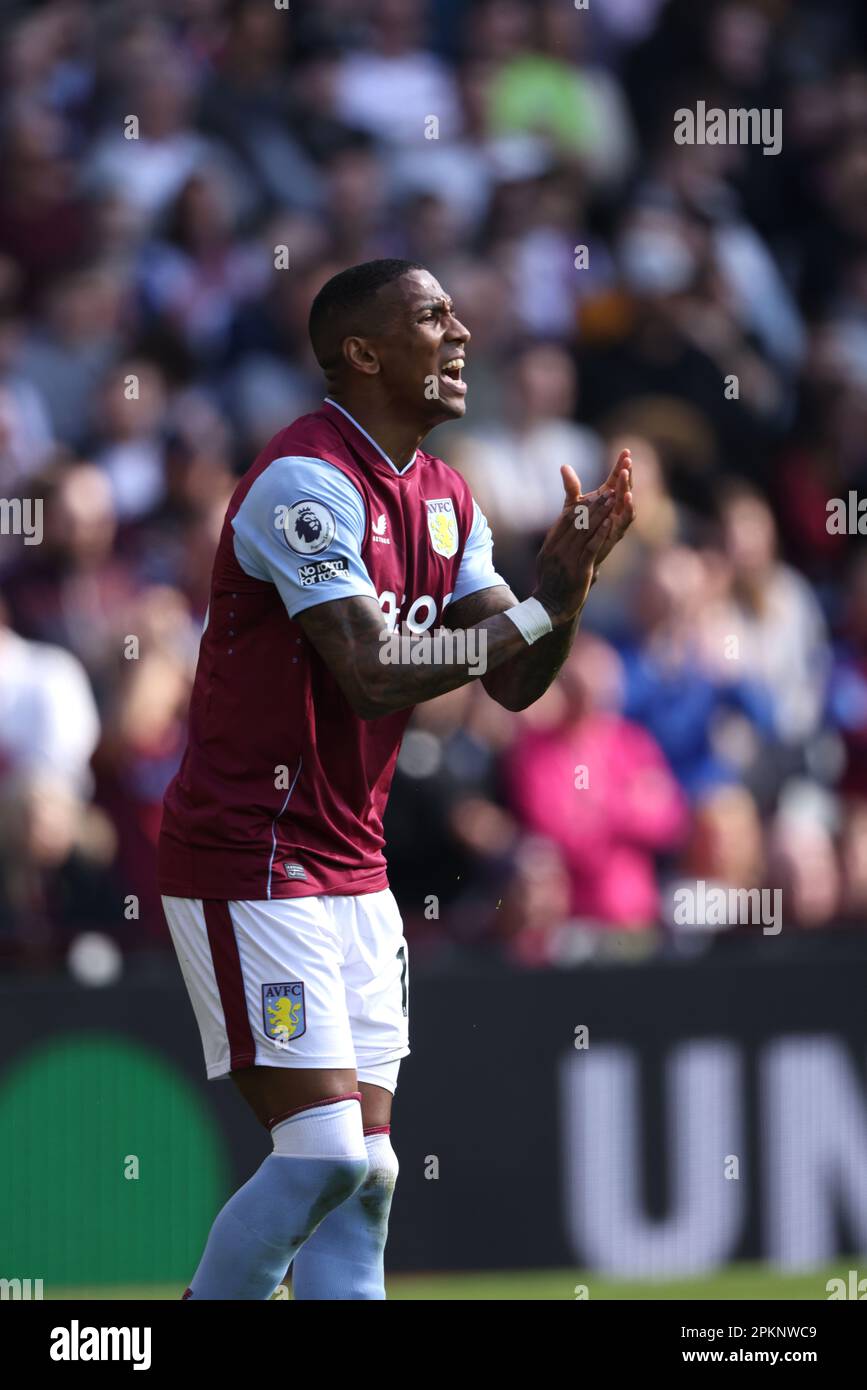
[(301, 526), (477, 562)]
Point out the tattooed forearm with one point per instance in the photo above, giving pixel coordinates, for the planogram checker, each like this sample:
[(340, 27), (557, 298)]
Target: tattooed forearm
[(351, 636), (525, 676), (522, 680), (355, 642), (554, 589)]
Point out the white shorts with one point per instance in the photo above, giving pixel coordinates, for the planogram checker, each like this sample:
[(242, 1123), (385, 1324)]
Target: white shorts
[(296, 982)]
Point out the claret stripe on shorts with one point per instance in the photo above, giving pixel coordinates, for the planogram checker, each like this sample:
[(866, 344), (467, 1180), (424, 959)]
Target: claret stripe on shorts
[(230, 982)]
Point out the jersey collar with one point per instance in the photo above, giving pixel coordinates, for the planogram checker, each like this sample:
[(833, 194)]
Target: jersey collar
[(382, 454)]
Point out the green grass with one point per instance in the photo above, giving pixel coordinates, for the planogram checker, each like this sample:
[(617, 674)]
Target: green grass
[(746, 1281)]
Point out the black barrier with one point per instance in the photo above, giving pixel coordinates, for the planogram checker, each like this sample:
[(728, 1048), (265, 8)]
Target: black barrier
[(652, 1120), (715, 1109)]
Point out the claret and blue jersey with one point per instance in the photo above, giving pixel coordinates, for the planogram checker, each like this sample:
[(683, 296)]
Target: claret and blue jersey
[(283, 788)]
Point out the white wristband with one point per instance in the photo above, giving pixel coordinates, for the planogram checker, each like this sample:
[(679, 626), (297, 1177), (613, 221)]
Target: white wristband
[(531, 618)]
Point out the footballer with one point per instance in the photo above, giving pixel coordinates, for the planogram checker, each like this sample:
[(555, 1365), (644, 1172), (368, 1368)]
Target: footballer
[(271, 864)]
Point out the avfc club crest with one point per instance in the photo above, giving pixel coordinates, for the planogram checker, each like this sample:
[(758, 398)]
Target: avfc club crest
[(283, 1011), (442, 525)]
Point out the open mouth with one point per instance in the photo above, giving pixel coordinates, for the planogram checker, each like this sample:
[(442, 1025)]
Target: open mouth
[(451, 372)]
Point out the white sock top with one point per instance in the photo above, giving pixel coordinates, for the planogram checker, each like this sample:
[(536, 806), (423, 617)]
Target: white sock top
[(324, 1131)]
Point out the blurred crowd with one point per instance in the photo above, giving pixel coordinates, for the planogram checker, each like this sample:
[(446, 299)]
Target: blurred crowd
[(180, 177)]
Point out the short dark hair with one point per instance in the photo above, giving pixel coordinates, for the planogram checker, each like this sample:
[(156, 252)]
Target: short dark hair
[(339, 308)]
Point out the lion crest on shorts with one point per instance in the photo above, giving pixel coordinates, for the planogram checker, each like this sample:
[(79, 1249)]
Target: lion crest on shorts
[(284, 1015)]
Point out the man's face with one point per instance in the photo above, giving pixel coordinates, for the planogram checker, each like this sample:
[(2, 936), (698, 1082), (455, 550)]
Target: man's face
[(421, 348)]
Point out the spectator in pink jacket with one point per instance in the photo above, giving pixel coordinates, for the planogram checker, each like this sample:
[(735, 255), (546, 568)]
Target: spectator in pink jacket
[(599, 788)]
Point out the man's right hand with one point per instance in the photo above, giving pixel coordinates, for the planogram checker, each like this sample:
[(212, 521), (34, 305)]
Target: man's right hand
[(565, 562)]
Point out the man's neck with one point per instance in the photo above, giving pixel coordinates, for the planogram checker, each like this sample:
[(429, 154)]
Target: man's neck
[(396, 438)]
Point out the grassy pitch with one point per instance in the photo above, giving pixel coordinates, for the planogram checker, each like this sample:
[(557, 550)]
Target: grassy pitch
[(746, 1281)]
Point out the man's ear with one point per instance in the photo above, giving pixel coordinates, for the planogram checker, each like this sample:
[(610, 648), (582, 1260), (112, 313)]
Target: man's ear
[(361, 356)]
